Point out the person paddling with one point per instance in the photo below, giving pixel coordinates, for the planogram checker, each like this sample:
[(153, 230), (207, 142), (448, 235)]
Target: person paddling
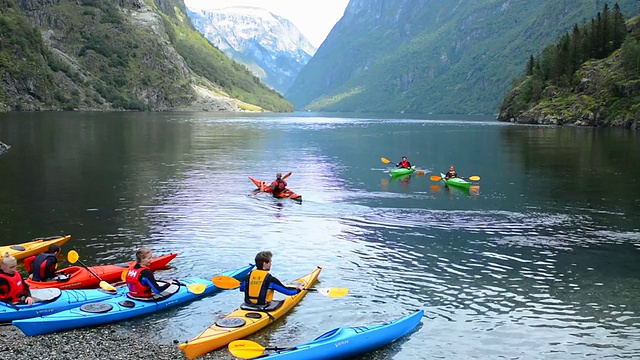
[(278, 185), (140, 279), (13, 289), (404, 163), (451, 173), (260, 286)]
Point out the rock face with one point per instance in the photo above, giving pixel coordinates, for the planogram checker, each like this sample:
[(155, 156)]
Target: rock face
[(270, 46), (117, 54)]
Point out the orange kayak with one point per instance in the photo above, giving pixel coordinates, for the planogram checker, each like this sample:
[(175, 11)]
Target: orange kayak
[(33, 247), (287, 193), (78, 277)]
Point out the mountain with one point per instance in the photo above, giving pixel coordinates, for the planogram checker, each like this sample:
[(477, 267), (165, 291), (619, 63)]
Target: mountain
[(270, 46), (424, 56), (118, 54)]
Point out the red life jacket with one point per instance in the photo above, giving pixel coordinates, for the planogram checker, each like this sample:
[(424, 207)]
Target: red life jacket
[(16, 289), (278, 185), (136, 288), (28, 263), (39, 267), (405, 164)]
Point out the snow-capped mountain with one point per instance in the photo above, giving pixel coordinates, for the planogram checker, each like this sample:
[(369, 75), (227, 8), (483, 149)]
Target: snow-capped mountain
[(270, 46)]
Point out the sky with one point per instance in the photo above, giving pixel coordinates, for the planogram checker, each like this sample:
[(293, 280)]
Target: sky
[(314, 18)]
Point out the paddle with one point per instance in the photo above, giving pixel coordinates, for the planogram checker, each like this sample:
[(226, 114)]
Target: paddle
[(197, 288), (227, 282), (246, 349), (438, 178), (72, 257)]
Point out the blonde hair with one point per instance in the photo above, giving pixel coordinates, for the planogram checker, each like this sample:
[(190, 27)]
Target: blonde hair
[(9, 260), (141, 253)]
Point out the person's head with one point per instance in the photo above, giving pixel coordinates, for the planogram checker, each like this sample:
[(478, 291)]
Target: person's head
[(451, 168), (54, 249), (9, 264), (263, 260), (143, 256), (404, 158), (279, 175)]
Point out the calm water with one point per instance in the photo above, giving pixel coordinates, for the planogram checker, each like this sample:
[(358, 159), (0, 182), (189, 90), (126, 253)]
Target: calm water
[(540, 262)]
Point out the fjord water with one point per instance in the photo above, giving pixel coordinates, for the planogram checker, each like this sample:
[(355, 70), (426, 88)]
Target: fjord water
[(540, 262)]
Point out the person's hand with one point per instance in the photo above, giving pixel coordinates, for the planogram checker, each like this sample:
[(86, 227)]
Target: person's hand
[(28, 300)]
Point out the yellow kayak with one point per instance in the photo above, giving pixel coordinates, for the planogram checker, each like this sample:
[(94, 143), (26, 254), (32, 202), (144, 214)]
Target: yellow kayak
[(34, 247), (241, 323)]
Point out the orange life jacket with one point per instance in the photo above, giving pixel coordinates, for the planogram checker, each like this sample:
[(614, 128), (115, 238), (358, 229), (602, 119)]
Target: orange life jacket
[(136, 288)]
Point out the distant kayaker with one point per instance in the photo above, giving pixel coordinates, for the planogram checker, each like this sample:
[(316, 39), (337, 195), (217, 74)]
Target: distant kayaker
[(13, 288), (404, 163), (451, 173), (261, 284), (278, 185), (43, 266), (140, 279)]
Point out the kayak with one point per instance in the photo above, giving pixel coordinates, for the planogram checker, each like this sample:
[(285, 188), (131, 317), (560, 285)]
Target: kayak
[(287, 193), (456, 182), (78, 277), (33, 247), (346, 342), (244, 321), (49, 301), (121, 307), (402, 171)]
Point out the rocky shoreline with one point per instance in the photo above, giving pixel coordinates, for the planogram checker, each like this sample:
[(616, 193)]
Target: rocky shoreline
[(104, 342)]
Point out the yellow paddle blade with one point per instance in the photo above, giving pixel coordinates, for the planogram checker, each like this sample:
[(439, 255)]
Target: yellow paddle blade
[(420, 172), (287, 175), (72, 256), (225, 282), (197, 288), (123, 276), (385, 160), (106, 286), (332, 292), (245, 349), (435, 178), (474, 178)]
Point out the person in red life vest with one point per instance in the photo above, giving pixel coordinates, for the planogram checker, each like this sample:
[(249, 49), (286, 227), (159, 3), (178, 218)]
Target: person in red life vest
[(43, 266), (451, 173), (278, 185), (260, 286), (140, 279), (13, 289), (404, 163)]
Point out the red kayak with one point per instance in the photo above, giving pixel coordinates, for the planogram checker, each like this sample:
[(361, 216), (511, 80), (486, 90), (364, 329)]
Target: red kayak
[(78, 277), (264, 187)]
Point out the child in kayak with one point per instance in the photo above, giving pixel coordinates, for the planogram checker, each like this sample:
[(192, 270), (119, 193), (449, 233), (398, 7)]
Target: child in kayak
[(140, 279), (13, 289), (451, 173), (259, 287), (404, 163)]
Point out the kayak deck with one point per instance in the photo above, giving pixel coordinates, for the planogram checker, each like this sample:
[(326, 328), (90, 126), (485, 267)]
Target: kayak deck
[(402, 171), (456, 182), (33, 247), (241, 323)]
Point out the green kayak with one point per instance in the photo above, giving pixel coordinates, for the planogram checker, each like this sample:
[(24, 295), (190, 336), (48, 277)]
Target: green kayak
[(456, 182), (402, 171)]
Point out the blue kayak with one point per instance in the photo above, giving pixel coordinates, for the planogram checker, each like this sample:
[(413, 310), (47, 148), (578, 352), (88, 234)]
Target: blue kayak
[(49, 301), (122, 307), (346, 342)]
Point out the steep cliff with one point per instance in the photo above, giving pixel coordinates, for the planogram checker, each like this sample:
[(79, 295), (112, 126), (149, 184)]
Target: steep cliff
[(118, 54), (270, 46), (422, 56)]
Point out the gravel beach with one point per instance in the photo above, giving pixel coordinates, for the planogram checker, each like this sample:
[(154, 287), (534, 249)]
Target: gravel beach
[(104, 342)]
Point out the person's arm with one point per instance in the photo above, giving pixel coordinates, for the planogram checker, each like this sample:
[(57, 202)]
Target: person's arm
[(243, 285), (147, 278), (51, 268), (278, 286)]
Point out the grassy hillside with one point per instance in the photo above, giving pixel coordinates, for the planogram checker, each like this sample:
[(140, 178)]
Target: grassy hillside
[(441, 57)]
